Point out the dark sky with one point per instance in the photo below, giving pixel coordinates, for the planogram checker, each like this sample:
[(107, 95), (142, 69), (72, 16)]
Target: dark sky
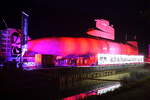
[(74, 17)]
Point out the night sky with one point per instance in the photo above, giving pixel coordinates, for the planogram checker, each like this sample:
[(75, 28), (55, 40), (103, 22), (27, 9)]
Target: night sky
[(75, 17)]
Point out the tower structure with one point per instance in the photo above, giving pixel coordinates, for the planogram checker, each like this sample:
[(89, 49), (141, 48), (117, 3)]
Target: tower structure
[(5, 45)]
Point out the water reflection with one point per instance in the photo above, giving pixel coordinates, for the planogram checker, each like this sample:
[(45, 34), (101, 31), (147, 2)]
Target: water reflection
[(80, 96), (97, 91)]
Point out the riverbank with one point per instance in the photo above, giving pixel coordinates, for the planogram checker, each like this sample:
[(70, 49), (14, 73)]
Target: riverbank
[(46, 85), (138, 91), (136, 87)]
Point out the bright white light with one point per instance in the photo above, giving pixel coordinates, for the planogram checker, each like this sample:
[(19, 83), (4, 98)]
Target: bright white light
[(28, 64), (119, 59), (108, 88)]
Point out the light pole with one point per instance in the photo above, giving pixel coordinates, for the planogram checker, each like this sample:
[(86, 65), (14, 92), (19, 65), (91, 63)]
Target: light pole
[(24, 35)]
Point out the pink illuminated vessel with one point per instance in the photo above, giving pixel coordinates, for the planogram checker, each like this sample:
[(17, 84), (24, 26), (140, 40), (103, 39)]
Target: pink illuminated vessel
[(77, 51)]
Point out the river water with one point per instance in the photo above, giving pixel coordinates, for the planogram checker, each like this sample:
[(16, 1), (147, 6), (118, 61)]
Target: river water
[(110, 86)]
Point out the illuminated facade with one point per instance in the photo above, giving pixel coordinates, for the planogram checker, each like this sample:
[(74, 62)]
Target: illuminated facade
[(64, 46), (76, 51)]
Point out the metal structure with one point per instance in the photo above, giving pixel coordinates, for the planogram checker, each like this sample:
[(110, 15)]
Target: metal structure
[(5, 45), (24, 35)]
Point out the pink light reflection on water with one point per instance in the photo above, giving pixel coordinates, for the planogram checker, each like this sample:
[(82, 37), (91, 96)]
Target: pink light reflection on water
[(80, 96), (98, 91)]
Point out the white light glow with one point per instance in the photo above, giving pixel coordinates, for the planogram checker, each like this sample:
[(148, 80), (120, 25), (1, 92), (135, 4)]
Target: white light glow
[(108, 88), (119, 59), (28, 64)]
